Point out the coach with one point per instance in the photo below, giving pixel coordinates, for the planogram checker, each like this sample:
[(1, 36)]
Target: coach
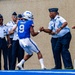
[(60, 40)]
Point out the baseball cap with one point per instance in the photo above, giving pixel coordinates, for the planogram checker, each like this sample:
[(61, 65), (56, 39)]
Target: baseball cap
[(53, 9), (14, 13), (19, 16), (1, 16)]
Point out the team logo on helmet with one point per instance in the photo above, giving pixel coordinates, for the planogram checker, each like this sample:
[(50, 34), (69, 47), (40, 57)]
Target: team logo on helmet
[(28, 15)]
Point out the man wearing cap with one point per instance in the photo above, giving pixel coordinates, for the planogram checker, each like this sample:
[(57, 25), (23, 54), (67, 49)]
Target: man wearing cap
[(17, 51), (10, 25), (60, 41), (3, 44), (19, 17)]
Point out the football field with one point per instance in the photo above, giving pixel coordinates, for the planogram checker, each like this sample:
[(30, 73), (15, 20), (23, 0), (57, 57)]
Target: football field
[(38, 72)]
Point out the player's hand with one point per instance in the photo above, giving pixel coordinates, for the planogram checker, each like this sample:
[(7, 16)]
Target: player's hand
[(73, 27), (41, 28)]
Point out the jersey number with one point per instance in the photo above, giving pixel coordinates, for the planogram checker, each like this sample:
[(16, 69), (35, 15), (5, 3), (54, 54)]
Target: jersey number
[(21, 28)]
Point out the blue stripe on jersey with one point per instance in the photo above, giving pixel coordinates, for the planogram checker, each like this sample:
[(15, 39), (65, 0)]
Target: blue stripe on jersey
[(33, 44)]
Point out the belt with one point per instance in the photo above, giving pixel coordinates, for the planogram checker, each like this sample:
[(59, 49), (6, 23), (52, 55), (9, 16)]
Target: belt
[(2, 37)]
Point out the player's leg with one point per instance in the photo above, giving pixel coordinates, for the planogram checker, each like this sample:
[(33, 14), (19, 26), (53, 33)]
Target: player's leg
[(19, 65), (20, 54), (34, 48), (24, 44), (26, 57), (40, 57)]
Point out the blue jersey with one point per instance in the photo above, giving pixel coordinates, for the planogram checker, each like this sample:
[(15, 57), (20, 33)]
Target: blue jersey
[(24, 28)]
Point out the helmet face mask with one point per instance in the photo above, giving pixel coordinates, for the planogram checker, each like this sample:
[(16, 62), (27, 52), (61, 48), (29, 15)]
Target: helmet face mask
[(28, 15)]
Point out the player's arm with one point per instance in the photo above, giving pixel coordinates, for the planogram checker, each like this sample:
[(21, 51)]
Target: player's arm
[(33, 33), (46, 31)]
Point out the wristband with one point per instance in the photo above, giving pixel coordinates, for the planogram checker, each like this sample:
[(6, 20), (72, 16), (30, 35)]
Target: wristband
[(38, 31)]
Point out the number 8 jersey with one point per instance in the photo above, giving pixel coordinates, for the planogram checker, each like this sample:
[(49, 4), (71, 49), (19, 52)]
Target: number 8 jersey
[(24, 28)]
